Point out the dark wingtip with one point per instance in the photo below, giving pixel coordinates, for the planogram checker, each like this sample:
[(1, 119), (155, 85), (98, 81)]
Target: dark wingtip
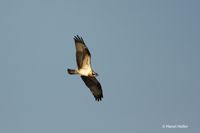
[(77, 38), (99, 98)]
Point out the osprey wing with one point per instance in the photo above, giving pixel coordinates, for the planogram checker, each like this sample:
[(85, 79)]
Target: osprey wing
[(95, 87), (83, 57)]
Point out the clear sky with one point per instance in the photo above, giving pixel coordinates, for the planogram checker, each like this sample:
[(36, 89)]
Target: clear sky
[(147, 55)]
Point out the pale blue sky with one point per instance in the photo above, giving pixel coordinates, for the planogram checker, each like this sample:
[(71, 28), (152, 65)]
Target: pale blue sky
[(147, 54)]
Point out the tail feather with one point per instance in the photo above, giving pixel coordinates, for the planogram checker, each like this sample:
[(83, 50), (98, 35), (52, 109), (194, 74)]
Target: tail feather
[(72, 71)]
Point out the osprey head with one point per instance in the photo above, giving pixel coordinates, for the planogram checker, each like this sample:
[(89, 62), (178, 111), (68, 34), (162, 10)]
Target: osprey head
[(94, 74)]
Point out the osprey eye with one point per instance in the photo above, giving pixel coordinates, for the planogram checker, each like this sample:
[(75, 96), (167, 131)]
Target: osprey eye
[(83, 59)]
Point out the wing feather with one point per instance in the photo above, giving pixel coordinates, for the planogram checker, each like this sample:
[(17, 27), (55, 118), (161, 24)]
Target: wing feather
[(95, 87), (83, 56)]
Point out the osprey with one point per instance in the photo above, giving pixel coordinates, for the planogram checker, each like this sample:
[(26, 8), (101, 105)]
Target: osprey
[(83, 59)]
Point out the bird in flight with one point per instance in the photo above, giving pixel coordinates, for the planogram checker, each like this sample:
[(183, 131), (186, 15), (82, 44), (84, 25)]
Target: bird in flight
[(83, 60)]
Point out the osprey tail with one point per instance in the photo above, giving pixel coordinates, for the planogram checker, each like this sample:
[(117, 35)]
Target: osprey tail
[(71, 71)]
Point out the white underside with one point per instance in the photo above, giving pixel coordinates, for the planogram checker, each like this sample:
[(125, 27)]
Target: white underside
[(85, 71)]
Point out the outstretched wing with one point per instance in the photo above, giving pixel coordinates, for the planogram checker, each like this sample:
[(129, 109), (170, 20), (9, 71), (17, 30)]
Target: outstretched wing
[(83, 57), (95, 87)]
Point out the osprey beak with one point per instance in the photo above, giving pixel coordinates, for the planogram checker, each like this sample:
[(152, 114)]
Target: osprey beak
[(96, 74)]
